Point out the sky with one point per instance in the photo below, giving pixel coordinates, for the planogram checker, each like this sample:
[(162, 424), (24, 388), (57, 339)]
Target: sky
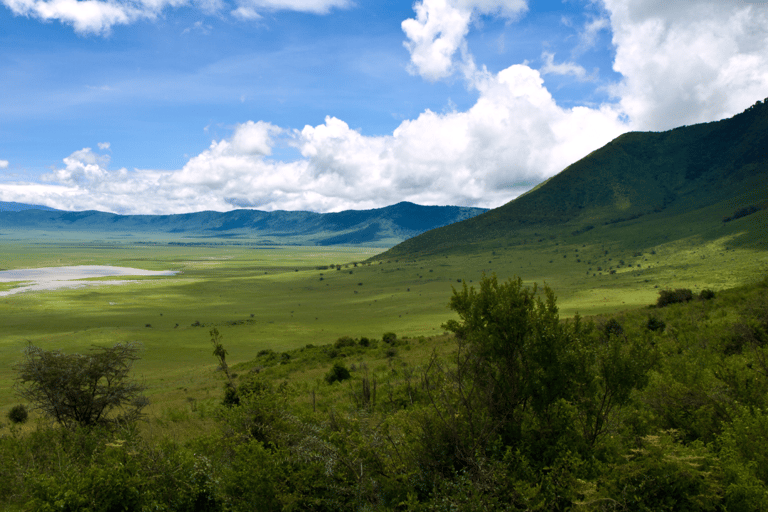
[(174, 106)]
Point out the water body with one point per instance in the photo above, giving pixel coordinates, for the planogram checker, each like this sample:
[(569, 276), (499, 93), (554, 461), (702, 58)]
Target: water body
[(51, 278)]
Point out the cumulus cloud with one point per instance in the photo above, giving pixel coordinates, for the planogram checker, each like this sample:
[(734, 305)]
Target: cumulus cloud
[(98, 17), (688, 62), (440, 28), (89, 16), (104, 145), (3, 164), (680, 63), (512, 138), (564, 68)]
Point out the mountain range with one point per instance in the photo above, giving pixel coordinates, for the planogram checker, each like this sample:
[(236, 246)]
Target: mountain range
[(708, 180), (381, 227)]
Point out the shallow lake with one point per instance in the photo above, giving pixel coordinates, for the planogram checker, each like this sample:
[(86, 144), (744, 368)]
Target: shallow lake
[(50, 278)]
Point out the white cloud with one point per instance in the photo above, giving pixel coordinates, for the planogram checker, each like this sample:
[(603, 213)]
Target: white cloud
[(314, 6), (588, 36), (86, 16), (3, 164), (513, 137), (564, 68), (98, 17), (681, 63), (440, 28), (688, 62), (104, 145)]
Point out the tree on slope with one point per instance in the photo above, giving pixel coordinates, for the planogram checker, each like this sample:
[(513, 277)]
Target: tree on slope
[(82, 389)]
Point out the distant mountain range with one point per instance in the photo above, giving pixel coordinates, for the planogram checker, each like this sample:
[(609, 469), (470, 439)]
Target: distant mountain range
[(708, 180), (19, 207), (378, 227)]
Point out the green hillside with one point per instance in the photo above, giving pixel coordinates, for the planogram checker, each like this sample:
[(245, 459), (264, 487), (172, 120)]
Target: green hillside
[(674, 184)]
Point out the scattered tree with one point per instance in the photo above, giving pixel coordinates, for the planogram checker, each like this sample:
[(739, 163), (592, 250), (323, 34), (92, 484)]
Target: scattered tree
[(338, 373), (82, 389), (18, 414)]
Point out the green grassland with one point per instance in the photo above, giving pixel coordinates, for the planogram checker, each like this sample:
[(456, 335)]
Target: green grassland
[(283, 298)]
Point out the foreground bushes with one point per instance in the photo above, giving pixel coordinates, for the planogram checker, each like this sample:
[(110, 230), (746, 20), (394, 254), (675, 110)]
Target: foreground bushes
[(524, 413)]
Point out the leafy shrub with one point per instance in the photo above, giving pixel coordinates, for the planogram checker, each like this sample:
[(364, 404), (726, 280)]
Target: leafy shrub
[(654, 324), (389, 337), (364, 342), (667, 297), (18, 414), (338, 373), (664, 475), (613, 327), (707, 294), (344, 341)]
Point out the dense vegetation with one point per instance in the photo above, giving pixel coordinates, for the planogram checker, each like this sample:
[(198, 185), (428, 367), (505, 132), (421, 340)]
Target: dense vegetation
[(661, 408)]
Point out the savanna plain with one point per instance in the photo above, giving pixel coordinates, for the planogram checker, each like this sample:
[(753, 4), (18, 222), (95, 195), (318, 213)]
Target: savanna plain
[(283, 298), (291, 316)]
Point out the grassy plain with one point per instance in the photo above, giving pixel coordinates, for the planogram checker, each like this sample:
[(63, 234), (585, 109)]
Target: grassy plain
[(283, 298)]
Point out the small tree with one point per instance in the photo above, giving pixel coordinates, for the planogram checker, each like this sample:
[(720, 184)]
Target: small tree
[(82, 390), (338, 373), (18, 414)]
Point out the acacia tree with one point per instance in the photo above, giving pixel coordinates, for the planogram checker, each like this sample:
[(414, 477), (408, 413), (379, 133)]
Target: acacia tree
[(82, 389)]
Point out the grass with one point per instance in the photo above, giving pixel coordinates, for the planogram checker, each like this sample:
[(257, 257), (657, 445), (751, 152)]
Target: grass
[(283, 298)]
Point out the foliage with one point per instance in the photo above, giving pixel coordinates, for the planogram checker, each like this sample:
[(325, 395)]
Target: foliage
[(337, 373), (18, 414), (82, 390), (654, 324), (609, 415), (389, 337), (667, 297), (344, 341)]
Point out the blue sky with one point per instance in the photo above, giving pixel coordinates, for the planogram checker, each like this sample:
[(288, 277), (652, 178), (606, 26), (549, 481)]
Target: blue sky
[(169, 106)]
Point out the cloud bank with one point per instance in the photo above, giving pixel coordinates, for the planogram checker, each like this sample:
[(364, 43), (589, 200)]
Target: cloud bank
[(98, 17), (680, 63)]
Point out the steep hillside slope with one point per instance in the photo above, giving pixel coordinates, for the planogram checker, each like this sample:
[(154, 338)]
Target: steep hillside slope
[(660, 179)]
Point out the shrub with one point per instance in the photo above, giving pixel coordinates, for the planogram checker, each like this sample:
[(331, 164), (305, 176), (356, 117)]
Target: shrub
[(707, 294), (18, 414), (338, 373), (344, 341), (613, 327), (364, 342), (654, 324), (667, 297), (389, 337)]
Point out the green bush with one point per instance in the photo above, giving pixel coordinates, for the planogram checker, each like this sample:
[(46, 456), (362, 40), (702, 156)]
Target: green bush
[(344, 341), (389, 337), (613, 327), (667, 297), (18, 414), (654, 324), (665, 475), (338, 373)]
